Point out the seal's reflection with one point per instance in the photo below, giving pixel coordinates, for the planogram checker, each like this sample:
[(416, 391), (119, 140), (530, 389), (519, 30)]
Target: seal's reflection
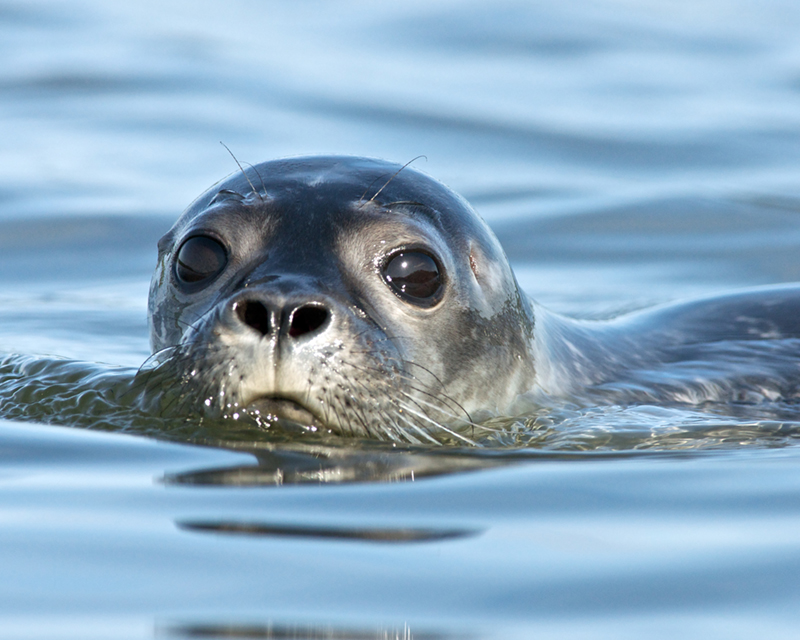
[(298, 632), (316, 464), (386, 535), (297, 463)]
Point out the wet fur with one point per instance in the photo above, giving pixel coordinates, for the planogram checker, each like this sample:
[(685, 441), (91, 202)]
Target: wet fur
[(393, 372)]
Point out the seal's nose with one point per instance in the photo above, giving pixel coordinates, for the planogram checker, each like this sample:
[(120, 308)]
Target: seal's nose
[(294, 320), (307, 319)]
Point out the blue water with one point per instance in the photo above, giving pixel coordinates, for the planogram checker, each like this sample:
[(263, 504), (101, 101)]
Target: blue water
[(626, 154)]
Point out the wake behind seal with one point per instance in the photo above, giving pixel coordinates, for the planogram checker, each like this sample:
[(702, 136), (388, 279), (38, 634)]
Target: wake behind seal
[(369, 299)]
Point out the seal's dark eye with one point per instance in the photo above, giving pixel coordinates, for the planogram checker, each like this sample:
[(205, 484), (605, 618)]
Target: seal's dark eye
[(200, 258), (414, 276)]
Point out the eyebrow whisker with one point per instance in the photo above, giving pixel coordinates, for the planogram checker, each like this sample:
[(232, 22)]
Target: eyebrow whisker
[(394, 175), (244, 173)]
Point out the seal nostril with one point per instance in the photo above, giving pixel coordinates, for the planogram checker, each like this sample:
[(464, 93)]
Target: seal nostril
[(255, 315), (307, 319)]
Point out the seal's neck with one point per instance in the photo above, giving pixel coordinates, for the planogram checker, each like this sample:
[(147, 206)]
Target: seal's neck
[(571, 355)]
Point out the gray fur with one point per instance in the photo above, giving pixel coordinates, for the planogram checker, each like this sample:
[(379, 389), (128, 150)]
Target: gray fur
[(316, 235), (316, 232)]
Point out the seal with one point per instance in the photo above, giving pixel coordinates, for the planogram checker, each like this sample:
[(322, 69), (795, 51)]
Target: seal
[(367, 298)]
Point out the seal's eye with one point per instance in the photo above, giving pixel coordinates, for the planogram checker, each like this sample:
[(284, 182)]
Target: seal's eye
[(200, 258), (414, 276)]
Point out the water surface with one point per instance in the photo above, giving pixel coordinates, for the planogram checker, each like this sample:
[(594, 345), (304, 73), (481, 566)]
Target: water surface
[(626, 154)]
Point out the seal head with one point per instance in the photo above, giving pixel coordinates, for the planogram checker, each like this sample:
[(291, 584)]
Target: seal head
[(348, 293)]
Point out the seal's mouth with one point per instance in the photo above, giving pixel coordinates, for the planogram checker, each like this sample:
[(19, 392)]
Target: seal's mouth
[(286, 408)]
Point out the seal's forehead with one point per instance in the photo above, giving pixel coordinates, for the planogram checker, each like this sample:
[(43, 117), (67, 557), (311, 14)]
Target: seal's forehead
[(342, 177), (327, 190)]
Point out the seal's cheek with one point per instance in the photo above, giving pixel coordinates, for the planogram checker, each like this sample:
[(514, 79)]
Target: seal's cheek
[(492, 283), (159, 337)]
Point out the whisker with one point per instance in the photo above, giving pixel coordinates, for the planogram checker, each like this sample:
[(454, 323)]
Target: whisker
[(369, 186), (261, 180), (427, 436), (360, 413), (441, 398), (410, 380), (412, 203), (453, 433), (244, 173), (394, 175)]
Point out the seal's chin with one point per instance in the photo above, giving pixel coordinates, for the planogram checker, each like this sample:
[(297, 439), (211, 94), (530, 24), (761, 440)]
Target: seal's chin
[(285, 408)]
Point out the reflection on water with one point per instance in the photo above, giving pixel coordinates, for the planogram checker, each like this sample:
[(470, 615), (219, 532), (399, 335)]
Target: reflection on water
[(299, 632), (403, 535), (343, 461)]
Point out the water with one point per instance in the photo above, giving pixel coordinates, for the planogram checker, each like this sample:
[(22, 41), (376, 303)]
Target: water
[(626, 154)]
